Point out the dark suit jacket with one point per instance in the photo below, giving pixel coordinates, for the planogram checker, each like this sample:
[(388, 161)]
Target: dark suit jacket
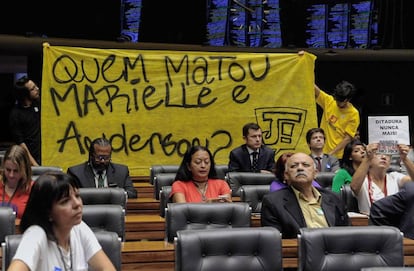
[(239, 159), (116, 174), (329, 163), (396, 210), (280, 209)]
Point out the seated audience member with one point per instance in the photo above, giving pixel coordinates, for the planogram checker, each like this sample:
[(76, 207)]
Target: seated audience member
[(372, 181), (16, 179), (253, 155), (324, 162), (354, 152), (99, 171), (196, 179), (301, 204), (396, 210), (279, 182), (54, 235)]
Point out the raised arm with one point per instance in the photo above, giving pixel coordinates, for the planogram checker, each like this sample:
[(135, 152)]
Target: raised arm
[(362, 171), (409, 165)]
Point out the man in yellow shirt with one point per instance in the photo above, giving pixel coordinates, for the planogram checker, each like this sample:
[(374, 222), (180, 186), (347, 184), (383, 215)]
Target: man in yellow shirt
[(340, 119)]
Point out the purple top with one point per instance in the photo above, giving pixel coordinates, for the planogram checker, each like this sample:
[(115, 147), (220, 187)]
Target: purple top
[(276, 185)]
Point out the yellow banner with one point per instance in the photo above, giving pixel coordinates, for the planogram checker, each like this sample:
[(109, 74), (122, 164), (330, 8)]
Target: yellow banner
[(153, 104)]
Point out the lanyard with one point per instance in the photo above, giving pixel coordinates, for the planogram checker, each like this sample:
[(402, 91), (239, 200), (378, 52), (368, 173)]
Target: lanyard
[(12, 196), (371, 199)]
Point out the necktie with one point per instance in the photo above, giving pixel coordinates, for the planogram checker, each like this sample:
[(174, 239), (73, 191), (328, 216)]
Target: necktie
[(254, 161), (319, 165), (100, 180)]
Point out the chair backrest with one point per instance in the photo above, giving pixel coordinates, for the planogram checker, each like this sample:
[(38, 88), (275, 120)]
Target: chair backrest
[(253, 195), (221, 171), (164, 199), (8, 221), (112, 246), (155, 169), (39, 170), (9, 248), (228, 249), (160, 180), (185, 216), (325, 179), (108, 217), (237, 179), (110, 242), (349, 248), (107, 195), (348, 198)]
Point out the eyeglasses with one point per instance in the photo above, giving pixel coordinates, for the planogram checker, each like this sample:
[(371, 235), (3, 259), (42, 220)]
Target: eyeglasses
[(99, 158)]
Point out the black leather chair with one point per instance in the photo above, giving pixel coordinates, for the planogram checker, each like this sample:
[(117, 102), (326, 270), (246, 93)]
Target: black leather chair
[(112, 246), (8, 221), (228, 249), (160, 180), (349, 248), (105, 217), (155, 169), (253, 195), (39, 170), (108, 195), (9, 248), (325, 179), (185, 216), (164, 199), (348, 198), (221, 171), (110, 242), (237, 179)]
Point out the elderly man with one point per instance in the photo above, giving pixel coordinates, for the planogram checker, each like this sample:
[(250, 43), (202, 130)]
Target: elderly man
[(301, 204)]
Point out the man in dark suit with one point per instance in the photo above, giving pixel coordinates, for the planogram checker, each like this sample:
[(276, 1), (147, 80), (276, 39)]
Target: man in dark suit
[(243, 157), (396, 210), (301, 204), (315, 137), (99, 171)]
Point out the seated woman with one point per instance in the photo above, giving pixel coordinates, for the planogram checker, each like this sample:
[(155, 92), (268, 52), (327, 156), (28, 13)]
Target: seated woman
[(54, 235), (372, 180), (354, 152), (16, 179), (196, 179), (279, 172)]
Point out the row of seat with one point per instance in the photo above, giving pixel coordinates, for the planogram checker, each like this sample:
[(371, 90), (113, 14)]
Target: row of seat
[(249, 186), (322, 249), (199, 219)]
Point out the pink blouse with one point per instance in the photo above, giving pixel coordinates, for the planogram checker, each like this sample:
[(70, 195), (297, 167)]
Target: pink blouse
[(215, 187)]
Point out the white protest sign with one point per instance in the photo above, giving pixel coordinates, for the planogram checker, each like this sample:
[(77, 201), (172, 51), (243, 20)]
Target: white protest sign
[(388, 131)]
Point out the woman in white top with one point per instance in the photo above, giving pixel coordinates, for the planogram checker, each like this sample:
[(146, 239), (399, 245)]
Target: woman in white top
[(372, 181), (54, 235)]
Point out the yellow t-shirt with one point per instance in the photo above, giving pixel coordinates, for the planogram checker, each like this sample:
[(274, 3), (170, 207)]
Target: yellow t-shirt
[(336, 122)]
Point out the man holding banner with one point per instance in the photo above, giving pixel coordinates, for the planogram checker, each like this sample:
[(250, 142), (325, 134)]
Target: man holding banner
[(340, 119)]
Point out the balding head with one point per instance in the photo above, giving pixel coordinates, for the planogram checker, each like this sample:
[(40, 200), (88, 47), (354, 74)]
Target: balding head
[(300, 169)]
